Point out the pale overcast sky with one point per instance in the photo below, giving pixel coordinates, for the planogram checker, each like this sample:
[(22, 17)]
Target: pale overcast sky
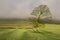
[(23, 8)]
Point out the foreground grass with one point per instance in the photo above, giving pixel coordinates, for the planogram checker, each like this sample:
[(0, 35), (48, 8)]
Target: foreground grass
[(50, 32)]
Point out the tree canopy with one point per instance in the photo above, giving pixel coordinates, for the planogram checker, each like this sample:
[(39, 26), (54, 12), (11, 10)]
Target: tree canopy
[(40, 14)]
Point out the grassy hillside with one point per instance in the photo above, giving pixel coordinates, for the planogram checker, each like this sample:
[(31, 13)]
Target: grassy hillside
[(50, 32)]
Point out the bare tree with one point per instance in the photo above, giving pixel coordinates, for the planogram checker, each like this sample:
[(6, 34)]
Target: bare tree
[(39, 15)]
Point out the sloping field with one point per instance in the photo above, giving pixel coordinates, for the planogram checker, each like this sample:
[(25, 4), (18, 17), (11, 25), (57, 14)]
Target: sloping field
[(50, 32)]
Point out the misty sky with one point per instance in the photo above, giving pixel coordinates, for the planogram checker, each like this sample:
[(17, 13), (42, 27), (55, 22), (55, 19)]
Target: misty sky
[(23, 8)]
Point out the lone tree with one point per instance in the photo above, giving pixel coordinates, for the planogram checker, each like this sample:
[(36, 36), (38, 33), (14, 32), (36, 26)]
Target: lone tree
[(40, 14)]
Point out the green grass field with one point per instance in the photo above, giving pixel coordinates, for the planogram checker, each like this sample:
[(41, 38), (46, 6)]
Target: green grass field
[(50, 32)]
